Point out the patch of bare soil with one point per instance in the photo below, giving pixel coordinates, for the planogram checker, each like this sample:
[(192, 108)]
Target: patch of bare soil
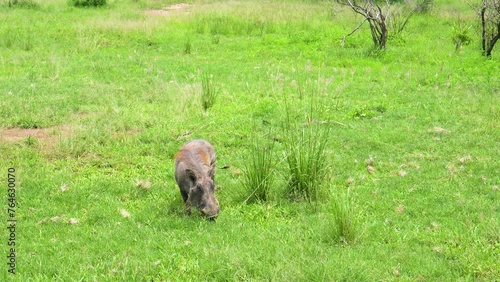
[(169, 9), (46, 138)]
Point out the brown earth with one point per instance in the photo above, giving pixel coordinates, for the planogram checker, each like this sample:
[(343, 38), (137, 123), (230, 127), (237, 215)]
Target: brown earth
[(46, 138), (168, 10)]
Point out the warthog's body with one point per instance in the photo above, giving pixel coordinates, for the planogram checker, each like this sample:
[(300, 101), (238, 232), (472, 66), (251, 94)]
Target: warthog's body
[(194, 173)]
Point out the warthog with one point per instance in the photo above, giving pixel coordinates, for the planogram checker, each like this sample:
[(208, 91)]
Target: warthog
[(194, 173)]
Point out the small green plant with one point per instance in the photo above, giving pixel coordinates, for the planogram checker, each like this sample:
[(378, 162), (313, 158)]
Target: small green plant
[(461, 34), (258, 171), (216, 39), (208, 93), (188, 46), (363, 111), (87, 3), (343, 220), (31, 141)]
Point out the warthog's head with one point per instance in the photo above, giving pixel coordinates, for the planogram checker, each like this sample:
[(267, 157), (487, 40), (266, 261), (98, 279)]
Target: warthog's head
[(201, 195)]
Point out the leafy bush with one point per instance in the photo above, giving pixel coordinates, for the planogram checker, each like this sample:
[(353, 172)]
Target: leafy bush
[(87, 3), (461, 35)]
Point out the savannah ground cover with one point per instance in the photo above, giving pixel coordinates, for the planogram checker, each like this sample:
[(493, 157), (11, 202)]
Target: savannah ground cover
[(94, 104)]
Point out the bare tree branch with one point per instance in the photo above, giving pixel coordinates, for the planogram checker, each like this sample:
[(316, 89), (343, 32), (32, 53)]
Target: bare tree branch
[(342, 40), (378, 17)]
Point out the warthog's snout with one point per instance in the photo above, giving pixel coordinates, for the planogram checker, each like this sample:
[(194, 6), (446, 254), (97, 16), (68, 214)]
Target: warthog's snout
[(211, 211)]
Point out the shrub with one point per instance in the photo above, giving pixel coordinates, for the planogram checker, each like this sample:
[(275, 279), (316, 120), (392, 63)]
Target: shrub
[(461, 35), (87, 3)]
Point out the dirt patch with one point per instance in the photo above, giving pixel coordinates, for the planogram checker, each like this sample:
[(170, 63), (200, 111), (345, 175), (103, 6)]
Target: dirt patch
[(178, 6), (440, 130), (46, 138), (169, 9), (19, 134)]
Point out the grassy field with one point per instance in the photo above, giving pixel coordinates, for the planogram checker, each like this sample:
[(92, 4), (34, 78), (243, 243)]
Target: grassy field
[(94, 104)]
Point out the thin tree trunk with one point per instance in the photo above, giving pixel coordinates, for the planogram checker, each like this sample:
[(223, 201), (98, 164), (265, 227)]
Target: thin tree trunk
[(493, 41), (383, 38), (489, 34), (483, 24), (373, 29)]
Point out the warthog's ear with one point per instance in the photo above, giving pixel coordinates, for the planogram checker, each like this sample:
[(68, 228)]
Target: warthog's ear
[(191, 175)]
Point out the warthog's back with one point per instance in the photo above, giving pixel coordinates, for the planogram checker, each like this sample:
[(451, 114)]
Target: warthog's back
[(198, 156)]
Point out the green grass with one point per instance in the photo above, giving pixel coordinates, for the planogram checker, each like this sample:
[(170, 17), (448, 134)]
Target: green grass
[(102, 99), (259, 171), (209, 91), (306, 157)]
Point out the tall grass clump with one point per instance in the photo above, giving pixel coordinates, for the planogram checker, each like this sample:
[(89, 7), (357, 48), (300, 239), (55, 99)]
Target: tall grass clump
[(87, 3), (227, 25), (305, 155), (208, 92), (342, 220), (259, 172), (306, 159), (188, 46)]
